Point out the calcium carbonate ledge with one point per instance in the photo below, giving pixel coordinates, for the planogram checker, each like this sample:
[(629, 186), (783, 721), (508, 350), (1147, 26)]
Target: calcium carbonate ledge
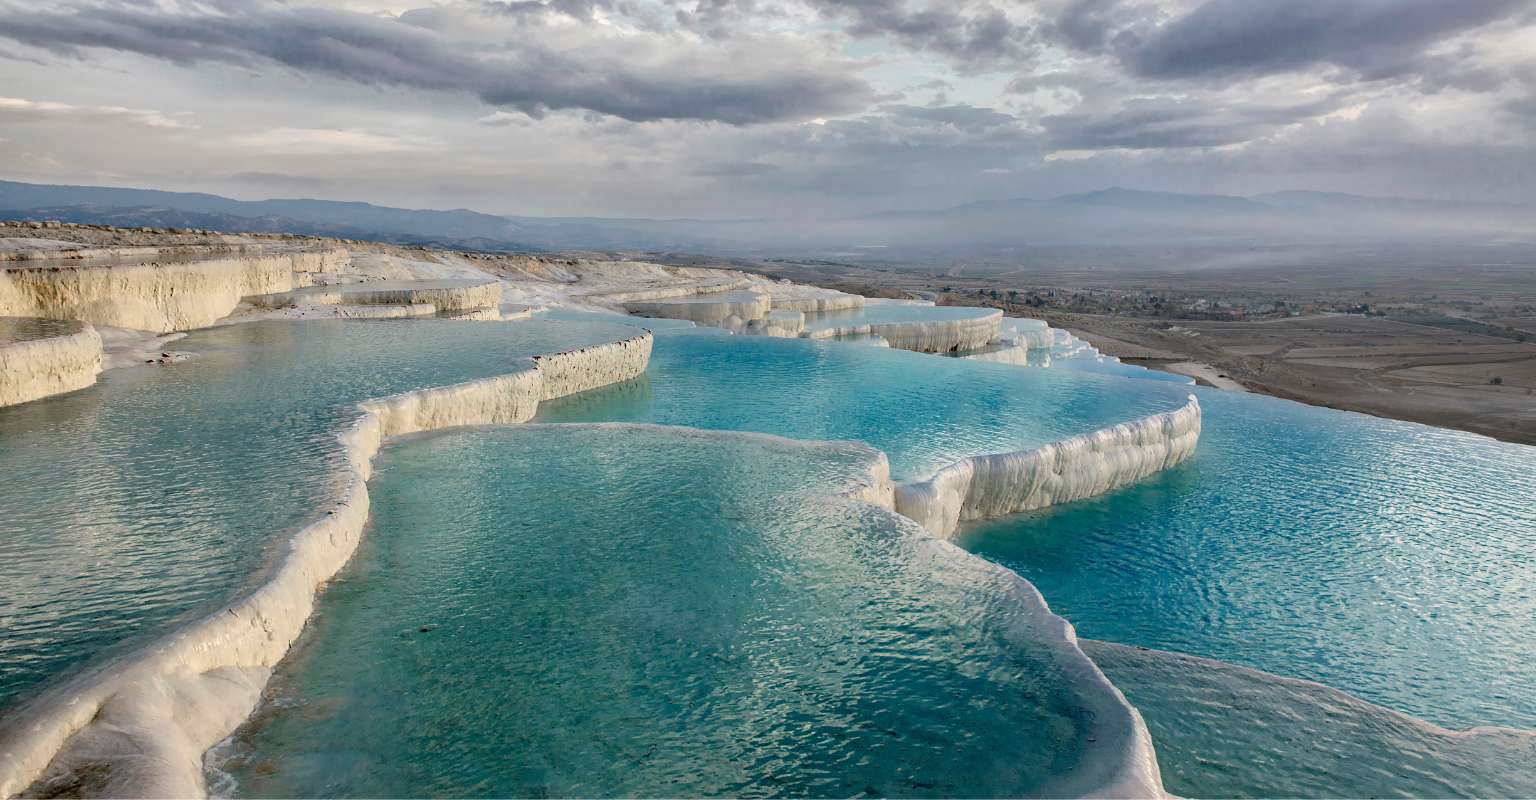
[(992, 486), (161, 297), (811, 299), (1014, 346), (140, 726), (725, 309), (63, 357), (924, 336), (446, 296), (618, 297)]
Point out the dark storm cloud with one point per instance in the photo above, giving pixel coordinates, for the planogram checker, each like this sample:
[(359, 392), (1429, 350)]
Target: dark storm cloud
[(974, 35), (527, 72), (967, 118), (1091, 25), (576, 9), (1237, 38)]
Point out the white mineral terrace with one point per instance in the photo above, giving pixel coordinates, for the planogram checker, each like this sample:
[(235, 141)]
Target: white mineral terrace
[(991, 486), (159, 296), (444, 296), (671, 289), (775, 309), (724, 309), (42, 357), (924, 336), (1014, 343)]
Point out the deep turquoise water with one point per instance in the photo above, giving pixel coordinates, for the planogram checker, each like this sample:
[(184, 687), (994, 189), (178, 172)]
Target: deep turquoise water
[(925, 412), (159, 491), (621, 611), (1390, 560)]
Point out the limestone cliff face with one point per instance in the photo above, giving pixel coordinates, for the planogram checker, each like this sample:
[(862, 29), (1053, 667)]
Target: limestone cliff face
[(726, 309), (50, 365), (590, 367), (158, 296), (926, 336), (140, 728), (941, 336), (991, 486), (812, 300), (706, 286)]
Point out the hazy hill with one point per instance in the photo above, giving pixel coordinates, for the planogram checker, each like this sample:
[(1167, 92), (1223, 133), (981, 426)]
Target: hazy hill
[(1114, 216)]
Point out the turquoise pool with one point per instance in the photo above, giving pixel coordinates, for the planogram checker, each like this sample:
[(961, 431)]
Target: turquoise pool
[(620, 610), (146, 498), (1391, 560), (924, 411)]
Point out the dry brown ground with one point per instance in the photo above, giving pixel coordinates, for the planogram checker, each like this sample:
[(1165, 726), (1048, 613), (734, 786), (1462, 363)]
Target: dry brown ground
[(1378, 366)]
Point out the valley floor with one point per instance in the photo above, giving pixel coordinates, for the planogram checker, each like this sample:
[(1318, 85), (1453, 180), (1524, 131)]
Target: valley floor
[(1376, 366)]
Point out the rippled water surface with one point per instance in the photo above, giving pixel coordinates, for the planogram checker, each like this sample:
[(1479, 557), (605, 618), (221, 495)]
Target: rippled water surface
[(924, 412), (131, 504), (1226, 731), (26, 329), (640, 611), (1390, 560)]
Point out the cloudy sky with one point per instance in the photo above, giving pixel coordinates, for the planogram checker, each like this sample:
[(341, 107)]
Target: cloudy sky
[(747, 108)]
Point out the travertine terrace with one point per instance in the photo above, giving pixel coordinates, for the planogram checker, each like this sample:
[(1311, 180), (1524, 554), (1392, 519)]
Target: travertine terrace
[(39, 358), (153, 292)]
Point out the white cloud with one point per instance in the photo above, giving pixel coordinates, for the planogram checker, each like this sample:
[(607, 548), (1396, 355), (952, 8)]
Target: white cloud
[(501, 119), (18, 109), (327, 141)]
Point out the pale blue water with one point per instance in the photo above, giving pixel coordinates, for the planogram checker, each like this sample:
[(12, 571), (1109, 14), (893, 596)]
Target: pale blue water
[(1390, 560), (1226, 731), (1387, 559), (624, 611), (1104, 365), (925, 412), (146, 498)]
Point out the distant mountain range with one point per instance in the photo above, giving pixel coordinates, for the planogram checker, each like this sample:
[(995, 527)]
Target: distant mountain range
[(1272, 204), (1108, 216)]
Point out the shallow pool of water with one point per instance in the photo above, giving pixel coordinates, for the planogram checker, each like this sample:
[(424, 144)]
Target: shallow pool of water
[(141, 500), (1391, 560), (925, 412), (1226, 731), (619, 610)]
